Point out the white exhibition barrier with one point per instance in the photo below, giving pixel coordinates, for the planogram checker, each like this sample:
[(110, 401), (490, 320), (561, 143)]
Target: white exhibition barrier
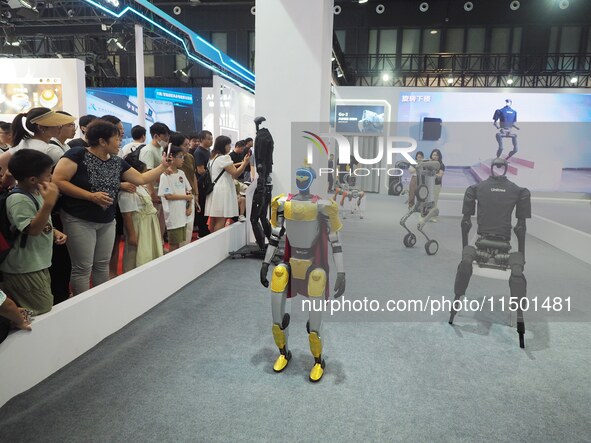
[(77, 325), (570, 240)]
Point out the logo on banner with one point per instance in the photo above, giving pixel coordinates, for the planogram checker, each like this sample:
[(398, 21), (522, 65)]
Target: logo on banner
[(389, 146)]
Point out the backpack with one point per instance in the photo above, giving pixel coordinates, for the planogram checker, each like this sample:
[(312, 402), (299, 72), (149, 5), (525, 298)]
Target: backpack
[(134, 155), (8, 233), (207, 183)]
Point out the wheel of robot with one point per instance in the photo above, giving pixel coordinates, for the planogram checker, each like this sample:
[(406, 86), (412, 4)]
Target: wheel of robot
[(422, 193), (409, 240), (431, 247), (397, 189)]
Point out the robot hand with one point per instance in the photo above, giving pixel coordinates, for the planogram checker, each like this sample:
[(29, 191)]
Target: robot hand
[(516, 127), (339, 285), (264, 271)]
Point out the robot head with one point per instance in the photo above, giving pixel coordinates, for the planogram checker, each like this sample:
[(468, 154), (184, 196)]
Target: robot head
[(304, 178), (508, 102), (498, 163)]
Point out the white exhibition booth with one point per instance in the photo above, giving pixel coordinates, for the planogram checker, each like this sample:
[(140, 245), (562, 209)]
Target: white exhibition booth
[(77, 325)]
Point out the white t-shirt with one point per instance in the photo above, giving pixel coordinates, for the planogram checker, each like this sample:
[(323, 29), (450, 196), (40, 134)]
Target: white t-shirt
[(174, 210), (54, 151), (128, 148), (151, 155)]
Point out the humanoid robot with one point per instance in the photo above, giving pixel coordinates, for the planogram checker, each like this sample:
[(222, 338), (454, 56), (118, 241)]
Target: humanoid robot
[(309, 224), (497, 197), (263, 157), (425, 203), (507, 117), (348, 190)]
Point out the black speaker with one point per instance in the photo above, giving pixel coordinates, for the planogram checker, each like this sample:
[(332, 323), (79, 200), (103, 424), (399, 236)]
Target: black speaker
[(431, 129)]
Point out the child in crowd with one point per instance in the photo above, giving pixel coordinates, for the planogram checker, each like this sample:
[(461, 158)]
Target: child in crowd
[(177, 201), (143, 242), (26, 267)]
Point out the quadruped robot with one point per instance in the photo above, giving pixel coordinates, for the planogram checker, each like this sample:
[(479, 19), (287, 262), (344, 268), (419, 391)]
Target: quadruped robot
[(497, 197), (348, 192), (308, 224), (425, 203)]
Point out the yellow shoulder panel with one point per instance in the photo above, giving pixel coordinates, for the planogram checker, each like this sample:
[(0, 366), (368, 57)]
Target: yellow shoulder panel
[(301, 210), (274, 206), (331, 210)]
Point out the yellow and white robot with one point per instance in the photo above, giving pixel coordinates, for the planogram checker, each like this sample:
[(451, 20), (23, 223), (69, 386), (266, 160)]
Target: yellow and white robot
[(309, 224)]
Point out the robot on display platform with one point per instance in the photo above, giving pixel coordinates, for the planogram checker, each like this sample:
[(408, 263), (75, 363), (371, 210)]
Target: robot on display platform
[(506, 116), (497, 197), (309, 224), (425, 203), (349, 193), (263, 158)]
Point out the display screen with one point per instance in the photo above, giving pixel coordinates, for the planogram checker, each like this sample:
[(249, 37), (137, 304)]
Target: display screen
[(549, 132), (360, 119), (20, 96), (178, 108)]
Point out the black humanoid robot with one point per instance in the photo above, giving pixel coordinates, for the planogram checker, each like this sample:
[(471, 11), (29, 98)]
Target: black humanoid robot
[(263, 160), (259, 210), (497, 197)]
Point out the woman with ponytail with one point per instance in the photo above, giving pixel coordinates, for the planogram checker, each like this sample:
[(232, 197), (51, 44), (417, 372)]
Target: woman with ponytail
[(33, 130)]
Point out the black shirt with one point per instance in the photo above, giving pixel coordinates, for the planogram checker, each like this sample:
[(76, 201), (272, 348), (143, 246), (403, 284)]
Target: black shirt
[(94, 175), (77, 142), (497, 197), (201, 156)]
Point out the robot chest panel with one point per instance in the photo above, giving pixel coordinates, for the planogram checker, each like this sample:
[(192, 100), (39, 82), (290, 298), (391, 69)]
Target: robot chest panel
[(301, 211), (302, 234)]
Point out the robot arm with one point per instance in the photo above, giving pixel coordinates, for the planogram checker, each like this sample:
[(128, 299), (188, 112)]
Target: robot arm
[(468, 209), (522, 211), (277, 221), (330, 210), (496, 117)]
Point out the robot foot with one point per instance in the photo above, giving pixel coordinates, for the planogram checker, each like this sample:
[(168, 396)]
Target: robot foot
[(317, 372), (282, 362), (452, 314)]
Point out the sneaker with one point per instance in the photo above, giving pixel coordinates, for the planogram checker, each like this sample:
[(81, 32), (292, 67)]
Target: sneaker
[(433, 220), (241, 218)]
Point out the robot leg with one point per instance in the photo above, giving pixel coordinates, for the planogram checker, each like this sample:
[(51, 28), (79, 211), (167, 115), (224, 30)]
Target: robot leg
[(499, 138), (514, 151), (316, 289), (279, 282), (463, 277), (255, 214), (518, 286)]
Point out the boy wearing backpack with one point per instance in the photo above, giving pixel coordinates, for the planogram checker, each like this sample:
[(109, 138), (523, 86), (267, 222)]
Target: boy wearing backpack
[(28, 210)]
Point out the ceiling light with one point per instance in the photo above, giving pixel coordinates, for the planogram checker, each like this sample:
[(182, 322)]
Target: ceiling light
[(385, 77), (510, 81), (363, 1), (563, 4), (339, 72), (380, 9), (573, 80), (434, 31), (450, 81), (24, 8), (468, 6), (514, 5)]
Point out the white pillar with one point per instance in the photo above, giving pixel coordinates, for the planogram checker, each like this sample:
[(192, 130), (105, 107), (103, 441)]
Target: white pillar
[(139, 74), (293, 75)]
